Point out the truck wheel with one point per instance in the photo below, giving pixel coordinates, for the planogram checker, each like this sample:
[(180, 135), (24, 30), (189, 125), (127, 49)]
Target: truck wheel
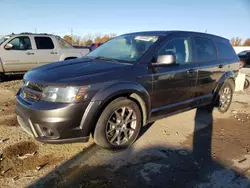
[(225, 96), (118, 125), (1, 77)]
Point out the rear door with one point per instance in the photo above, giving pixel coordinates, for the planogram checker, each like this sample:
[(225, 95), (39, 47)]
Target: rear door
[(19, 58), (174, 85), (46, 50), (211, 68)]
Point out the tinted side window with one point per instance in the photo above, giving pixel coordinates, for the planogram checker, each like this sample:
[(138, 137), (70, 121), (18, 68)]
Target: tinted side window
[(21, 43), (205, 49), (181, 47), (225, 50), (43, 43)]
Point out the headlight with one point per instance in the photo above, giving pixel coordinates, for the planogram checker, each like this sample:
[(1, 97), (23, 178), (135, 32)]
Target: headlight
[(63, 94)]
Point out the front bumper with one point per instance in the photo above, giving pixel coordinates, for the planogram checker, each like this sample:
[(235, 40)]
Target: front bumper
[(53, 122)]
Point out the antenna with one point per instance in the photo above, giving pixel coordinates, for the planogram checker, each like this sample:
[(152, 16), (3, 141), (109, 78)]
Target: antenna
[(72, 37)]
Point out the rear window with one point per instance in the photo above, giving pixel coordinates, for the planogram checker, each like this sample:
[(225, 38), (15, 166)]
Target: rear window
[(205, 49), (43, 43), (225, 50)]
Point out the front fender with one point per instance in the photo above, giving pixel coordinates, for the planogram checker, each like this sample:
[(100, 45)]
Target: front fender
[(124, 88), (107, 94)]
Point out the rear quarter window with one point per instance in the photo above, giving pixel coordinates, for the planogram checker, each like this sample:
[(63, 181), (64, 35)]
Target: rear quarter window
[(205, 49), (44, 43), (225, 50)]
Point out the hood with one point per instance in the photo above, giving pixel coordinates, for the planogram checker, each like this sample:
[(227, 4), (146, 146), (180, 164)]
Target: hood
[(62, 70)]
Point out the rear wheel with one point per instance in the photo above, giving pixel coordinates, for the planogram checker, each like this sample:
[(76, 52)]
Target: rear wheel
[(246, 84), (225, 96), (118, 125)]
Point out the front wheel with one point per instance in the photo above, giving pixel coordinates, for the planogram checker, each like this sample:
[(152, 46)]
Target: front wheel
[(225, 96), (1, 77), (118, 125)]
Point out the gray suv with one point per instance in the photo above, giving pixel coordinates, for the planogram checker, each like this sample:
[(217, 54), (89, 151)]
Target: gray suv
[(127, 82)]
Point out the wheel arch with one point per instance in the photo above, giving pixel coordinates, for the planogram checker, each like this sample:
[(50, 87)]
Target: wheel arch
[(132, 91), (68, 58), (227, 76)]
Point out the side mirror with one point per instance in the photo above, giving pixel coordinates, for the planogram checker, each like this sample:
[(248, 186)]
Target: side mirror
[(8, 46), (166, 59)]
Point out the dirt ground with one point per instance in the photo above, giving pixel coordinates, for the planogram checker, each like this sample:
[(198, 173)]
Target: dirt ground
[(192, 149)]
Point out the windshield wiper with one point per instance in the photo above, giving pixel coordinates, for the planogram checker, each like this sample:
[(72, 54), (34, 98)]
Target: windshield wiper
[(106, 58)]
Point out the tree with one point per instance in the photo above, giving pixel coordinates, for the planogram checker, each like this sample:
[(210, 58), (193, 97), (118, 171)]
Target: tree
[(247, 42), (76, 40), (88, 42), (236, 41), (68, 38)]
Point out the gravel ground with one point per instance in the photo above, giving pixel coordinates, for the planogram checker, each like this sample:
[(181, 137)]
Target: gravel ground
[(192, 149)]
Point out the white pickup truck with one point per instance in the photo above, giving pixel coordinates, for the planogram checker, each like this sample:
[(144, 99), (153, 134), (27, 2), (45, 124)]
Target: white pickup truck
[(22, 52)]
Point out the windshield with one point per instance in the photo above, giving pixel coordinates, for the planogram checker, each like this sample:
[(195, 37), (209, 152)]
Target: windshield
[(128, 48), (3, 39)]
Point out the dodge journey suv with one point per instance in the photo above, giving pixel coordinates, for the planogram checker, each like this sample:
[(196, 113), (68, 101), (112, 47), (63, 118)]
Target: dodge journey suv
[(127, 82)]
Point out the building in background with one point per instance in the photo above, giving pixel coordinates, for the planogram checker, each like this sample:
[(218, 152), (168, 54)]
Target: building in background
[(239, 49)]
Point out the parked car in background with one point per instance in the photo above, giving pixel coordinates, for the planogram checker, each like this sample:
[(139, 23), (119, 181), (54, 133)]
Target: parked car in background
[(94, 46), (244, 58), (129, 81), (22, 52)]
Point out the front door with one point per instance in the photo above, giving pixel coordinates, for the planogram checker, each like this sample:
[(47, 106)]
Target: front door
[(20, 57), (174, 85)]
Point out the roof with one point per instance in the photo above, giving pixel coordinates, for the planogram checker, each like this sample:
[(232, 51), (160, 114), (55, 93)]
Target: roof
[(164, 33), (26, 33)]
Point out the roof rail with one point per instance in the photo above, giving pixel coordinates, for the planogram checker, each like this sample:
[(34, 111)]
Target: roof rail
[(26, 33), (29, 33)]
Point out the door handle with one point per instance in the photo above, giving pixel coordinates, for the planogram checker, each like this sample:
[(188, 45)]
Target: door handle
[(192, 71), (220, 66), (53, 52), (30, 53)]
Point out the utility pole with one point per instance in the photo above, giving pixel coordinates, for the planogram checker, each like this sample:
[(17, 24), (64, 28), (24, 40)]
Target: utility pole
[(72, 37)]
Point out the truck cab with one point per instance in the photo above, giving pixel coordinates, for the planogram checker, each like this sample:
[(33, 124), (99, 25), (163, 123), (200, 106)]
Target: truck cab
[(22, 52)]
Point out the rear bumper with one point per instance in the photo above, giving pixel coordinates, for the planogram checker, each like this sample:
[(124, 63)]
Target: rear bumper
[(51, 122)]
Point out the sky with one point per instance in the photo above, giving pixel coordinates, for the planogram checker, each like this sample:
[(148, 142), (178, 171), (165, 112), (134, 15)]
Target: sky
[(227, 18)]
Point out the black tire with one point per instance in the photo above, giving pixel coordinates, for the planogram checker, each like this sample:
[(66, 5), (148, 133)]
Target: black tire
[(103, 138), (225, 99), (68, 58), (1, 77)]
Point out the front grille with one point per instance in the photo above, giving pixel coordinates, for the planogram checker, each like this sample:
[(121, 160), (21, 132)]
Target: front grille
[(33, 86), (31, 92)]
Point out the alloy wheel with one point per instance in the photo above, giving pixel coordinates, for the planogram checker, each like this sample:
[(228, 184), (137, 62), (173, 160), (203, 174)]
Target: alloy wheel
[(121, 126), (225, 98)]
